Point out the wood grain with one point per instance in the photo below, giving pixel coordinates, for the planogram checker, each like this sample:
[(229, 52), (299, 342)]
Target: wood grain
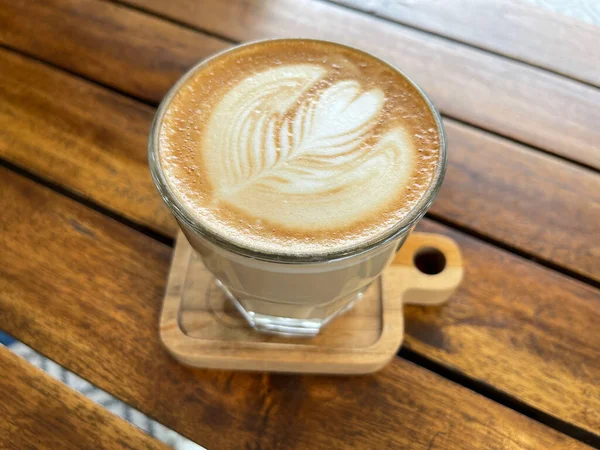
[(508, 97), (517, 327), (96, 139), (39, 412), (527, 200), (493, 186), (509, 27), (78, 283), (99, 41)]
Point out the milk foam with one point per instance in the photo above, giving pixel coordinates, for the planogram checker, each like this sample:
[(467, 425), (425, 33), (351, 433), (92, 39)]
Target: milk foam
[(296, 158), (292, 158)]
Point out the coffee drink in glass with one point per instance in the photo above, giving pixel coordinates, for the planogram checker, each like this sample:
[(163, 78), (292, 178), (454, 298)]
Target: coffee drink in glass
[(296, 168)]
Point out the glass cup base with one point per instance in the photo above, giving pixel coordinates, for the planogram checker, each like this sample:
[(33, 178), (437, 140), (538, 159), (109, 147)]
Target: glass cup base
[(287, 326)]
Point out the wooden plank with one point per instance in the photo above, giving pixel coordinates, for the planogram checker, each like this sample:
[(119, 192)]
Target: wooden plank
[(99, 138), (510, 312), (527, 200), (75, 284), (508, 97), (99, 41), (37, 411), (513, 28)]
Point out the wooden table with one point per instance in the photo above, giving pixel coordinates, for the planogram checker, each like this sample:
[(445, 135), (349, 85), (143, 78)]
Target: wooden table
[(513, 360)]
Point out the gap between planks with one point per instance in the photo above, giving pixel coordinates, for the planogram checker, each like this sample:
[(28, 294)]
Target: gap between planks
[(377, 16), (184, 25), (489, 391), (428, 34)]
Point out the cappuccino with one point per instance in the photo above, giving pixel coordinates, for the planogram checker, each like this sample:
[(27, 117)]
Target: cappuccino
[(296, 168), (298, 147)]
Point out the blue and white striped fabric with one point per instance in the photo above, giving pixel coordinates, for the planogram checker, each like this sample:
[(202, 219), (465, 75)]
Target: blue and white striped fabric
[(114, 405)]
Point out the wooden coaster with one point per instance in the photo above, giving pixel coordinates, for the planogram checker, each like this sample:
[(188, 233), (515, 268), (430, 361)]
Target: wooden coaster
[(200, 327)]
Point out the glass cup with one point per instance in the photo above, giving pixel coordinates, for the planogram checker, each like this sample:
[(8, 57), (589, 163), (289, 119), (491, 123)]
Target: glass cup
[(286, 294)]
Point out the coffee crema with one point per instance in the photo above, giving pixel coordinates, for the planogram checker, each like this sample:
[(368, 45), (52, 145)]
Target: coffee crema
[(298, 147)]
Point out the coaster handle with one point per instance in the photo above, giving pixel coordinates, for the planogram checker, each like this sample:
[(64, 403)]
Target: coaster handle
[(429, 267)]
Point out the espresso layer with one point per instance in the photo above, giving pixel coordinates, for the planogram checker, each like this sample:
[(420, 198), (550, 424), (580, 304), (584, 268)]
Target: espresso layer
[(298, 146)]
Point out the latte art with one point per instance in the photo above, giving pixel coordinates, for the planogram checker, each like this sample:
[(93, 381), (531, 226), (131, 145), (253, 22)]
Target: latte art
[(298, 147), (271, 141)]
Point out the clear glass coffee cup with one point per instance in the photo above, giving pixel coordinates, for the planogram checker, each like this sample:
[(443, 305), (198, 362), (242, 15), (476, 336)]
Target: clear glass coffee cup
[(290, 294)]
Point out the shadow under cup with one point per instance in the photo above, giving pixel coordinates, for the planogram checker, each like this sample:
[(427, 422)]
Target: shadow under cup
[(288, 294)]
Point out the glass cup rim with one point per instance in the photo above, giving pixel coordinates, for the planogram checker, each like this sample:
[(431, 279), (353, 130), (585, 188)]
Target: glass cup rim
[(183, 215)]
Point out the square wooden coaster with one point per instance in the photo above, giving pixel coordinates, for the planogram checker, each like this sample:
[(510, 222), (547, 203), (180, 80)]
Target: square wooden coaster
[(200, 327)]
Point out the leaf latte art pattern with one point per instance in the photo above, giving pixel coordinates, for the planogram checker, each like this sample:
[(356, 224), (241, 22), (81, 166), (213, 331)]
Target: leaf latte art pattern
[(283, 147)]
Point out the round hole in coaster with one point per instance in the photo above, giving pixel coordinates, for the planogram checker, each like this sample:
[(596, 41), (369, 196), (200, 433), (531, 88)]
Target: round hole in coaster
[(430, 260)]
